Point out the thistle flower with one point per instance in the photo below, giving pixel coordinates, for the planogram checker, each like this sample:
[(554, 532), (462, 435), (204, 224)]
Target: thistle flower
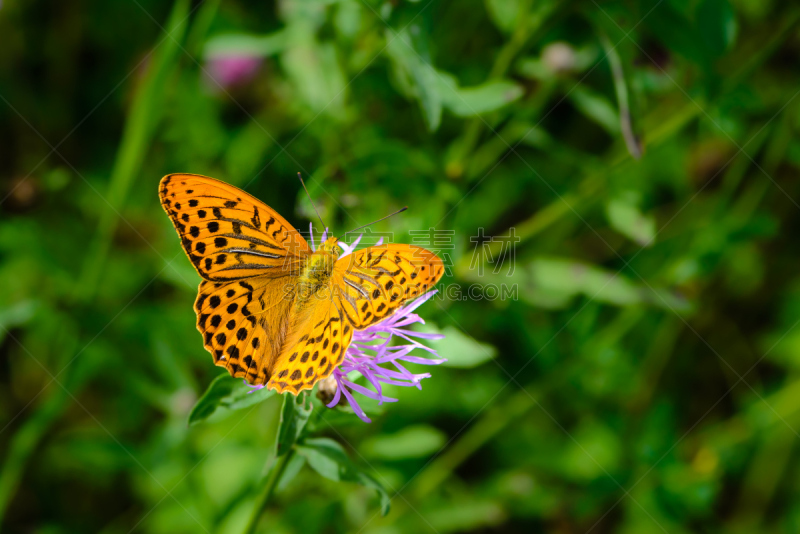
[(372, 355), (231, 70)]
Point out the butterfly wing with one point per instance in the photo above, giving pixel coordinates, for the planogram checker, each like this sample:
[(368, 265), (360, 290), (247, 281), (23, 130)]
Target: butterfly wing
[(249, 258), (228, 234), (319, 336), (244, 324), (375, 281)]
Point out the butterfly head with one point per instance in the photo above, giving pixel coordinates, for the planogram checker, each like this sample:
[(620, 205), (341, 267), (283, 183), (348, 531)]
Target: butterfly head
[(330, 247)]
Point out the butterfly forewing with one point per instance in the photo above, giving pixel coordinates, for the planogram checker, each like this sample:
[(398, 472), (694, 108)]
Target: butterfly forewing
[(373, 282), (228, 234)]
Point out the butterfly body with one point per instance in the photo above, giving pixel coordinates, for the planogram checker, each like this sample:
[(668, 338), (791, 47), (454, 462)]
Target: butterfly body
[(272, 310), (316, 273)]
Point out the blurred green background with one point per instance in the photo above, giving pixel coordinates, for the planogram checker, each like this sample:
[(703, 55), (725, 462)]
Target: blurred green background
[(644, 376)]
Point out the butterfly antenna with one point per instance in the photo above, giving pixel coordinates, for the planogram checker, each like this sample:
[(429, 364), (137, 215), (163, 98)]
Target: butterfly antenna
[(401, 210), (312, 202)]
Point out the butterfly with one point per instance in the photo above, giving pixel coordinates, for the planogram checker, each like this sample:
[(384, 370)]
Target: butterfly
[(272, 310)]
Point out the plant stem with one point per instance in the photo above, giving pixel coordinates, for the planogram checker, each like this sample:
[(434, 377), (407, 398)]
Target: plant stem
[(269, 487), (492, 422), (522, 31), (621, 89), (140, 125)]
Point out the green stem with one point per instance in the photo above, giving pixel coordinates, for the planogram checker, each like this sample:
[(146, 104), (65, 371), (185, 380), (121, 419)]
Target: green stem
[(202, 23), (763, 51), (269, 488), (621, 90), (143, 118), (477, 436), (519, 37)]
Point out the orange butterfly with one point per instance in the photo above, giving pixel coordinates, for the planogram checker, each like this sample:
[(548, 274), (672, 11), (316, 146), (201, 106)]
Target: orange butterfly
[(272, 310)]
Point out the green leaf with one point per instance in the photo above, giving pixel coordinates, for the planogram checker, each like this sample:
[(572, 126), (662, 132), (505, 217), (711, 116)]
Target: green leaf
[(678, 34), (329, 459), (717, 22), (473, 101), (594, 452), (553, 282), (348, 18), (226, 393), (466, 514), (315, 71), (626, 218), (569, 278), (291, 470), (17, 314), (417, 441), (238, 44), (294, 417), (504, 13), (596, 107), (460, 349), (417, 78)]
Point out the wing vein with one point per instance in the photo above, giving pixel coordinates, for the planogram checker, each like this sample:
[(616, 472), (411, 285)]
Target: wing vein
[(357, 288)]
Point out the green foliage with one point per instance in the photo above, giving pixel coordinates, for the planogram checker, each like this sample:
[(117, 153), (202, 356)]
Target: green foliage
[(294, 417), (458, 348), (615, 186), (416, 441), (415, 77), (329, 459), (225, 394)]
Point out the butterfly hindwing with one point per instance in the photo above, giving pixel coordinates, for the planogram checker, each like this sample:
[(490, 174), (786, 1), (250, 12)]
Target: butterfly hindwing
[(320, 335), (228, 234), (243, 324), (375, 281)]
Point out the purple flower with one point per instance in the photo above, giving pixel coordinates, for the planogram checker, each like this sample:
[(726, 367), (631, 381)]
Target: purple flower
[(372, 354), (227, 71)]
